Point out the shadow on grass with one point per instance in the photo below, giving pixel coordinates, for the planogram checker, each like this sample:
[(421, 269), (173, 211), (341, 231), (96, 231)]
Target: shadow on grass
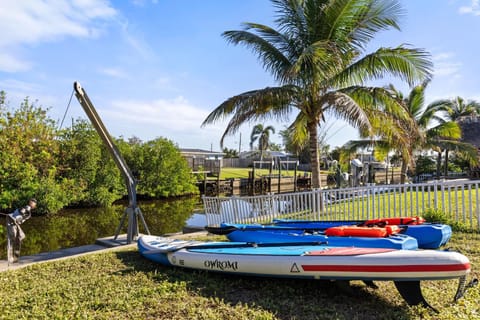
[(285, 298)]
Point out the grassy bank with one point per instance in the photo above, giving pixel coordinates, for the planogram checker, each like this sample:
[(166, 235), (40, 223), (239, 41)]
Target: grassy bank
[(122, 285)]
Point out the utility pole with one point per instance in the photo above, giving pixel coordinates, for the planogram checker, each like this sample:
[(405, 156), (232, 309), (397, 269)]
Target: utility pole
[(240, 144)]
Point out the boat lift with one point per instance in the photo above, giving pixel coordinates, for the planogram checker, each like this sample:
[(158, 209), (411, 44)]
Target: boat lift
[(133, 212)]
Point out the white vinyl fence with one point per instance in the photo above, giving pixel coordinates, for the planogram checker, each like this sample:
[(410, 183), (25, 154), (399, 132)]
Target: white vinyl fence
[(457, 200)]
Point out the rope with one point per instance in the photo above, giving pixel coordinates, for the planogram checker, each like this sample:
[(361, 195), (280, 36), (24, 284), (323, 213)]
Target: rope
[(66, 111)]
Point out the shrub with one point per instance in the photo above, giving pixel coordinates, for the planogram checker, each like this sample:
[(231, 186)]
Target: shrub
[(434, 215)]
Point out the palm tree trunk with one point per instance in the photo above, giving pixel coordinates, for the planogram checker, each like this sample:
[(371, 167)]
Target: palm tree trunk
[(314, 155), (439, 164), (445, 170), (403, 171)]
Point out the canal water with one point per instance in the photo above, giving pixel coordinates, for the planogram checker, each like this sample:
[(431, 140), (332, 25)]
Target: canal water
[(76, 227)]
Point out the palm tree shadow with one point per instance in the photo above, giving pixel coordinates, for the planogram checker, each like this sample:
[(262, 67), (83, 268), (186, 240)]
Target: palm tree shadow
[(286, 298)]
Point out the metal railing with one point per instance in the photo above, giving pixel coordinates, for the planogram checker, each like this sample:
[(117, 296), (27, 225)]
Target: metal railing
[(458, 200)]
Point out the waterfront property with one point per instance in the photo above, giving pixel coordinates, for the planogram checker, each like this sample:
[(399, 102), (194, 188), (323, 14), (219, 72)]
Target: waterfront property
[(456, 200)]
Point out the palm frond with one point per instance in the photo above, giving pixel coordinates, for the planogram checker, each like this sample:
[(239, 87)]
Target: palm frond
[(348, 107), (271, 57), (357, 22), (410, 65), (449, 130), (263, 104)]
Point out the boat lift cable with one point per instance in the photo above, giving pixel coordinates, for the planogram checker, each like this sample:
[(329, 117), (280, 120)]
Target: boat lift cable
[(66, 110), (133, 212)]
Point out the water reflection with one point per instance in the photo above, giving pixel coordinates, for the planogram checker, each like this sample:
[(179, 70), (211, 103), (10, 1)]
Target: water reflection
[(76, 227)]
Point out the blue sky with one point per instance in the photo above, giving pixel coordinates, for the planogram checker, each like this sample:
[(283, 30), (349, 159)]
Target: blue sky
[(158, 68)]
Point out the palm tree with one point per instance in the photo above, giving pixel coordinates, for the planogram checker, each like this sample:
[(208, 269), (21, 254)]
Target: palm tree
[(457, 108), (262, 134), (315, 55), (427, 131), (453, 110), (422, 128)]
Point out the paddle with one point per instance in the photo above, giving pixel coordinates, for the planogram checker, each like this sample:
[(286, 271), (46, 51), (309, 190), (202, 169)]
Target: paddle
[(231, 228), (225, 230), (228, 245)]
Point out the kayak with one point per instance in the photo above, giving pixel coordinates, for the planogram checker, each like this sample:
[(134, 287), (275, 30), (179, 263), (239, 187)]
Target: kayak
[(268, 233), (312, 261), (428, 235)]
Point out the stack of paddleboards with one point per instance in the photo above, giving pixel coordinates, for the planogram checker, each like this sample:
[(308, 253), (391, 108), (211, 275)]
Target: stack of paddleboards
[(347, 250), (396, 233), (313, 260)]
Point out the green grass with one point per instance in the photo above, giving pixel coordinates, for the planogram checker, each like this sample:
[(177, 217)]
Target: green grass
[(237, 173), (123, 285)]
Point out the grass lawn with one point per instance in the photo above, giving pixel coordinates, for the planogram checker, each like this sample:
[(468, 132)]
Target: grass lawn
[(237, 173), (123, 285), (227, 173)]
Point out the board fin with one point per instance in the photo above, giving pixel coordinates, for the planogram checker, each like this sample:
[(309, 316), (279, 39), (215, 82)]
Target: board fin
[(412, 293), (463, 286)]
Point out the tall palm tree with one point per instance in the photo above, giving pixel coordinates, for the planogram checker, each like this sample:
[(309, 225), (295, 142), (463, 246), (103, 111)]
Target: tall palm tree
[(262, 134), (315, 55)]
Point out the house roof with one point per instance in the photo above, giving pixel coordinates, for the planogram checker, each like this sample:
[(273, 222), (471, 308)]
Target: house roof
[(470, 130), (199, 151)]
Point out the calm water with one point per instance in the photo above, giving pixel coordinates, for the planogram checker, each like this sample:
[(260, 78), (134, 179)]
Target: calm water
[(76, 227)]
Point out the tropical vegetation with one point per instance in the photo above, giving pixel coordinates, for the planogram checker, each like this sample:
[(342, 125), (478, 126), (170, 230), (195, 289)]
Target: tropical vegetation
[(71, 167), (426, 127), (454, 110), (316, 55)]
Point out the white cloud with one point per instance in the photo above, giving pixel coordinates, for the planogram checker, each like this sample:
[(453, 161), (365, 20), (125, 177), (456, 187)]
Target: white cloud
[(135, 39), (174, 115), (445, 64), (36, 21), (114, 73), (175, 119), (142, 3), (18, 86), (473, 8), (9, 63)]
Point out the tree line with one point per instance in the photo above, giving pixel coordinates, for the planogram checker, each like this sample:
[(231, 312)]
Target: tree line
[(71, 167)]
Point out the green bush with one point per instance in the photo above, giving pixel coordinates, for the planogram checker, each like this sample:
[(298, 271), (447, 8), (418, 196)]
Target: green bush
[(438, 216), (72, 167)]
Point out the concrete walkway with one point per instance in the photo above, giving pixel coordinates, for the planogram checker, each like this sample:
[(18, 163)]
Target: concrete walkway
[(102, 244)]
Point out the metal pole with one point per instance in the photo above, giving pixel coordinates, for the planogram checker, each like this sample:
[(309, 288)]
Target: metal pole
[(132, 210)]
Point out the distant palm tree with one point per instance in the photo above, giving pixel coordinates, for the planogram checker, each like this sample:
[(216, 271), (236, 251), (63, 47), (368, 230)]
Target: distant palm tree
[(423, 128), (453, 110), (457, 108), (429, 129), (316, 57), (262, 134)]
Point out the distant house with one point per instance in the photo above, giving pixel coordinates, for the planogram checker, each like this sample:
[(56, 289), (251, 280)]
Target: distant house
[(470, 130), (203, 160), (276, 157)]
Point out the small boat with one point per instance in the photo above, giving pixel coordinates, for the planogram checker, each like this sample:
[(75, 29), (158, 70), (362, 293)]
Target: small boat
[(428, 235), (313, 261), (271, 233)]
